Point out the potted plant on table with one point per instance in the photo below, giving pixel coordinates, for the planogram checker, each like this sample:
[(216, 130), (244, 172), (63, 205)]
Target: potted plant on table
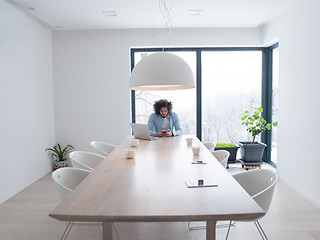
[(252, 152), (60, 155)]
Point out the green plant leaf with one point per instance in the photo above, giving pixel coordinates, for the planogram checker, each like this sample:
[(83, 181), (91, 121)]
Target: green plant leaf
[(59, 153), (218, 145), (255, 123)]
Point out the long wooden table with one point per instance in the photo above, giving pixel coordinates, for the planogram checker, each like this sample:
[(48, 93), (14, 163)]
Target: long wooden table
[(151, 188)]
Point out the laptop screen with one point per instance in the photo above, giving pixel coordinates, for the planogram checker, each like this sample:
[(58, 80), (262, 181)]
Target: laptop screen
[(141, 131)]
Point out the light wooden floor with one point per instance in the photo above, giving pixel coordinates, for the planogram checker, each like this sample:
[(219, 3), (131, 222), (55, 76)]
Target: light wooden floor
[(25, 216)]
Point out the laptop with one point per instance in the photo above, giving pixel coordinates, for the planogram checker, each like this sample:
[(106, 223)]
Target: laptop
[(141, 131)]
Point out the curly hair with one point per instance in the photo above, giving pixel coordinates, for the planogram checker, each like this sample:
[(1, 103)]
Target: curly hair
[(160, 104)]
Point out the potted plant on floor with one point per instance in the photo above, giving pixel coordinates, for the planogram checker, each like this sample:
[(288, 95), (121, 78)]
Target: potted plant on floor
[(231, 148), (60, 155), (252, 152)]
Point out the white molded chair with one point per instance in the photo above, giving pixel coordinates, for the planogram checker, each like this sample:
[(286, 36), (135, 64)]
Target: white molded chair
[(103, 147), (67, 179), (210, 146), (222, 156), (85, 160), (260, 185)]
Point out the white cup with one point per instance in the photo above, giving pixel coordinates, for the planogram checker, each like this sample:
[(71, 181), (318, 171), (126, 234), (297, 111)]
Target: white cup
[(130, 152), (196, 150), (189, 140), (134, 142)]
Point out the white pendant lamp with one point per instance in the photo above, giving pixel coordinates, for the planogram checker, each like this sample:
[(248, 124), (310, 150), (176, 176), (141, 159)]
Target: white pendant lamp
[(161, 71)]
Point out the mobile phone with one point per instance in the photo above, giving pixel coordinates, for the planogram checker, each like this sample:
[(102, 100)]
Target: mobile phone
[(164, 131), (200, 182)]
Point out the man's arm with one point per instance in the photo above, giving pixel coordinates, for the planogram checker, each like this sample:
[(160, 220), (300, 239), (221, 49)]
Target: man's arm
[(151, 126), (177, 126)]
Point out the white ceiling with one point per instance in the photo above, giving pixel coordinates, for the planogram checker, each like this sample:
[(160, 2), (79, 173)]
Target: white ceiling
[(87, 14)]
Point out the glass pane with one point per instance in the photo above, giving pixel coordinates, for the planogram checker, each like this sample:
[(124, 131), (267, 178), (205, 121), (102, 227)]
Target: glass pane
[(184, 101), (231, 82), (275, 102)]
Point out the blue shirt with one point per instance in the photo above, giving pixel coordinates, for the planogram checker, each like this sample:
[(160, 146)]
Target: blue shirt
[(155, 122)]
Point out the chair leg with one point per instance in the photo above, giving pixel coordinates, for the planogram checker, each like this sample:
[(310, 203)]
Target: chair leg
[(231, 223), (228, 230), (260, 229), (115, 230), (67, 230), (217, 225)]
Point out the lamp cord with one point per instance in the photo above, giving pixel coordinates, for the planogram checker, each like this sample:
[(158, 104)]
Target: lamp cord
[(165, 12)]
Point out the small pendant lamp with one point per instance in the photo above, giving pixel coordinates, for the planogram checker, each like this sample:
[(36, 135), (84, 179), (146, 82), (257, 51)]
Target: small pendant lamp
[(161, 71)]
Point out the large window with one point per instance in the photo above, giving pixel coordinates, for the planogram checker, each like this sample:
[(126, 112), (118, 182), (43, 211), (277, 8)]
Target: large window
[(229, 80)]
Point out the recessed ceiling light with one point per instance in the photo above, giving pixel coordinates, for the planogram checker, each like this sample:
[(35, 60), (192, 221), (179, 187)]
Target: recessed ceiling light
[(110, 13), (194, 12)]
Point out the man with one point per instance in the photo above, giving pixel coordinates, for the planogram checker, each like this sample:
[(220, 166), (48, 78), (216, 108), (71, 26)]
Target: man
[(163, 122)]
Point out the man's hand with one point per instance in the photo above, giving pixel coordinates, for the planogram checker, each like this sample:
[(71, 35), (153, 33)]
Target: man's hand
[(168, 133), (160, 134)]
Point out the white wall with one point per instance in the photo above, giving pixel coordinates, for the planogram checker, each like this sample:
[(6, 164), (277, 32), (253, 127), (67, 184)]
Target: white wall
[(299, 83), (26, 100), (91, 77)]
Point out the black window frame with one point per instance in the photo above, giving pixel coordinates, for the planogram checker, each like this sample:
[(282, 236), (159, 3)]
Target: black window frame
[(267, 135), (266, 82)]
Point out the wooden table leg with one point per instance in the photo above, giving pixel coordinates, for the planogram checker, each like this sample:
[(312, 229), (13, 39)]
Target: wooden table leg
[(211, 230), (107, 231)]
